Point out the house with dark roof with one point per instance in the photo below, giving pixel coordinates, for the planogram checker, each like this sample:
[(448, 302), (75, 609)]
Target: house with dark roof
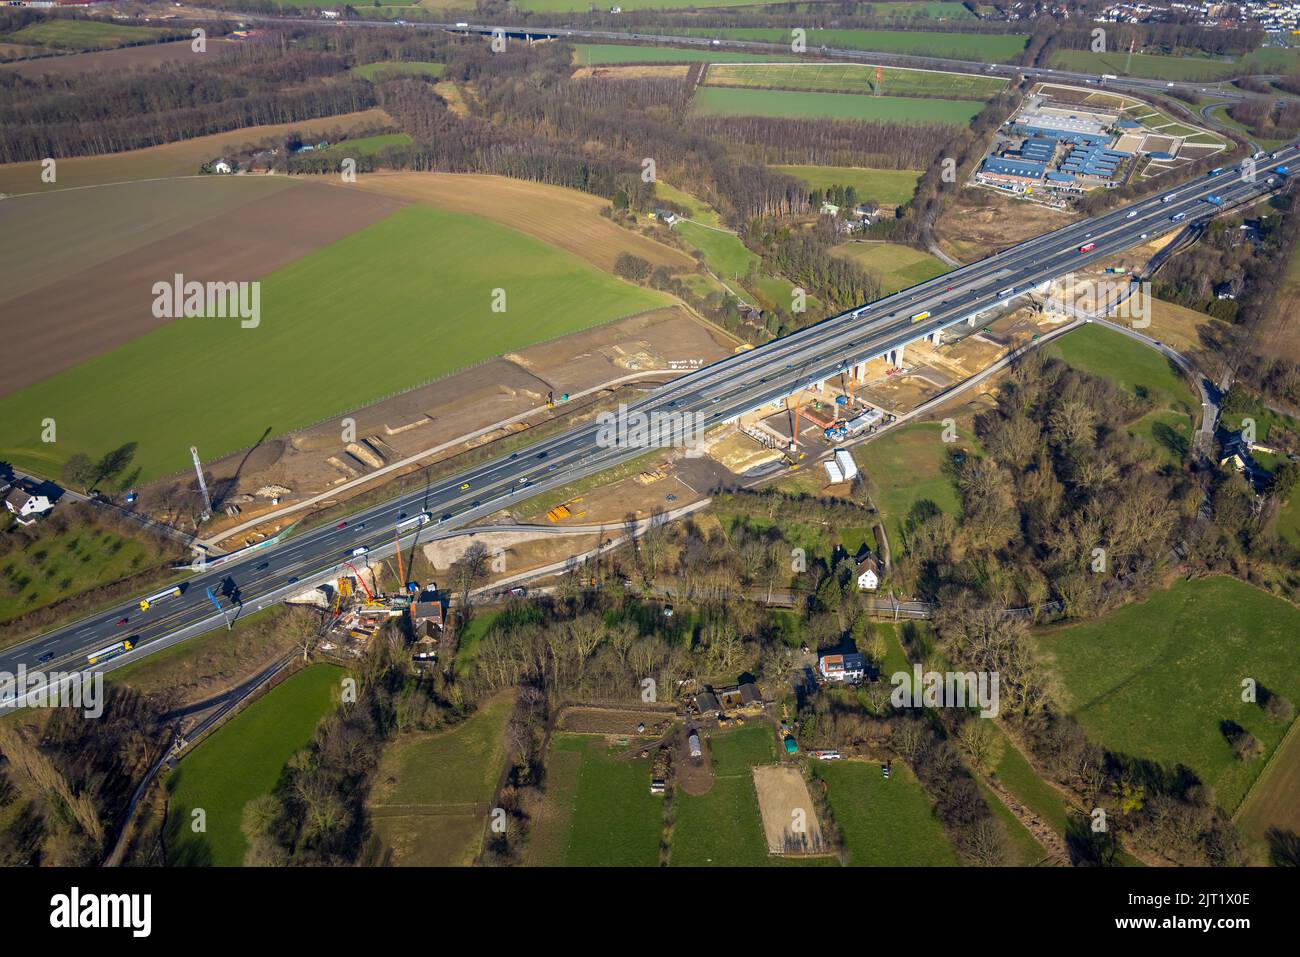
[(26, 502), (707, 704), (846, 667), (867, 574)]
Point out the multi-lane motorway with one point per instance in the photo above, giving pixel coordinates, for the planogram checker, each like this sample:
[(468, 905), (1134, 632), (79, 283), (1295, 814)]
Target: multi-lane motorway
[(714, 394), (814, 49)]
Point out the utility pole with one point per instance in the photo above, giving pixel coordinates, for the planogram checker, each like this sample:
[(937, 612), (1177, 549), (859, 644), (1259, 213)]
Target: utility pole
[(401, 572), (1129, 62), (203, 485)]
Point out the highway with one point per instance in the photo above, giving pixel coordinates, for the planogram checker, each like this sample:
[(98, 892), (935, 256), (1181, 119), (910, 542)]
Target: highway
[(815, 49), (716, 393)]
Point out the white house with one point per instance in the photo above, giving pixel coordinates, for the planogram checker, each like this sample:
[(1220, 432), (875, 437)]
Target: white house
[(850, 667), (868, 574), (330, 14), (26, 506), (221, 166)]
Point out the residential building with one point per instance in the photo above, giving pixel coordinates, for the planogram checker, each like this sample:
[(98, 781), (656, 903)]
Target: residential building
[(26, 503), (846, 667), (868, 574)]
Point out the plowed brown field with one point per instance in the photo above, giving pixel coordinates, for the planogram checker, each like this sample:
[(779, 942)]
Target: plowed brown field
[(87, 313)]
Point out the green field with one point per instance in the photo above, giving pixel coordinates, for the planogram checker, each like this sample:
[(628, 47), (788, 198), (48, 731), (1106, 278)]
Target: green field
[(856, 78), (51, 567), (239, 762), (1018, 776), (1160, 680), (613, 820), (920, 10), (724, 826), (700, 212), (889, 187), (884, 823), (723, 251), (900, 10), (895, 267), (1023, 849), (471, 635), (614, 54), (365, 145), (628, 6), (990, 48), (1178, 68), (1141, 370), (401, 67), (430, 801), (402, 302), (726, 101), (65, 34), (907, 466)]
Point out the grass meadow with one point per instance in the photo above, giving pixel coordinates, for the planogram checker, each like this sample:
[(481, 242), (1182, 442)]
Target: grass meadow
[(399, 303), (240, 761), (1161, 681), (727, 101)]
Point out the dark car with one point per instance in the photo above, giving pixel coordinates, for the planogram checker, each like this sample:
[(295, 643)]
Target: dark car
[(45, 657), (514, 455), (293, 580), (122, 621), (476, 503), (263, 567), (445, 516), (542, 455), (341, 525)]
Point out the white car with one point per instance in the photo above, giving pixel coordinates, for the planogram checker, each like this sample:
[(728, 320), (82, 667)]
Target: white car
[(359, 550), (1144, 236), (1131, 214)]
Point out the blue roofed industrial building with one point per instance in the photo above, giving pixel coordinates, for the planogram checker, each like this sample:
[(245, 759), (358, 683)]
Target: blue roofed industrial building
[(1014, 167), (1038, 149)]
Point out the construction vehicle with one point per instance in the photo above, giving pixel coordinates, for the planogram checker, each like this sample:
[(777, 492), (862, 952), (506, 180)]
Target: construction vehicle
[(370, 597)]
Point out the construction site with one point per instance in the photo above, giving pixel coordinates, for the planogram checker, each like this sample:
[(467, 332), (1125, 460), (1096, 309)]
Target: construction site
[(355, 609)]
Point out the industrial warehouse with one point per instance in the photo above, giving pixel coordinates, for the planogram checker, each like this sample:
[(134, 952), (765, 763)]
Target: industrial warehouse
[(1057, 149)]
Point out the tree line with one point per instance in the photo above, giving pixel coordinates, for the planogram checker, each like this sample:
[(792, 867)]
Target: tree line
[(260, 84)]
